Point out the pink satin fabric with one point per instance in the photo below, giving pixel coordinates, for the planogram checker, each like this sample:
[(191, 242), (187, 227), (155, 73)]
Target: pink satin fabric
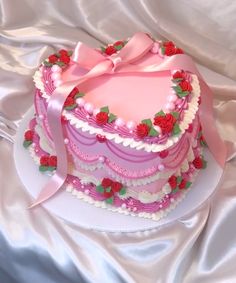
[(99, 64)]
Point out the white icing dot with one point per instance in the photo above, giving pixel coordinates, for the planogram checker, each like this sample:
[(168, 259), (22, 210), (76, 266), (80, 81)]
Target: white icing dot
[(87, 116), (41, 117), (130, 125), (80, 101), (161, 167), (33, 144), (172, 199), (86, 192), (82, 186), (45, 71), (88, 107), (160, 205), (66, 141), (134, 208), (115, 127), (36, 150), (101, 159), (74, 181), (57, 83), (46, 82), (130, 131), (123, 205), (56, 69)]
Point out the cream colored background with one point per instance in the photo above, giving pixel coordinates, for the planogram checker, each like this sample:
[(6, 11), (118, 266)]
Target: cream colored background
[(37, 247)]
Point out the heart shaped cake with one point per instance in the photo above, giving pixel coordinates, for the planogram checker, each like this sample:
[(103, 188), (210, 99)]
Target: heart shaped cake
[(130, 125)]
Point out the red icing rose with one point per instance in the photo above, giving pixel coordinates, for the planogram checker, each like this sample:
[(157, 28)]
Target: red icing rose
[(108, 194), (179, 75), (169, 50), (106, 182), (69, 101), (63, 52), (166, 123), (44, 160), (185, 86), (198, 163), (158, 120), (73, 92), (52, 161), (170, 118), (110, 50), (178, 51), (52, 59), (163, 154), (182, 184), (117, 43), (116, 187), (65, 59), (142, 130), (29, 135), (63, 119), (172, 182), (168, 43), (102, 118)]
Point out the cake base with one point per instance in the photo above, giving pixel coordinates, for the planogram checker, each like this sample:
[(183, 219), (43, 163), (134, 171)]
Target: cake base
[(83, 214)]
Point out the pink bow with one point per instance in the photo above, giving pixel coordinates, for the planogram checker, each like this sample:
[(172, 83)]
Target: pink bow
[(98, 64)]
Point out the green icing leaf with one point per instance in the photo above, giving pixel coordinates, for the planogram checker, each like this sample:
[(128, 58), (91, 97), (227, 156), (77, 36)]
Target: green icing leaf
[(175, 191), (177, 80), (43, 168), (203, 143), (182, 93), (152, 132), (79, 94), (70, 52), (47, 64), (118, 47), (111, 118), (122, 191), (175, 114), (104, 109), (163, 50), (147, 122), (160, 113), (102, 49), (71, 107), (188, 184), (26, 144), (58, 55), (110, 200), (108, 189), (51, 168), (179, 179), (177, 89), (60, 64), (176, 129), (100, 189)]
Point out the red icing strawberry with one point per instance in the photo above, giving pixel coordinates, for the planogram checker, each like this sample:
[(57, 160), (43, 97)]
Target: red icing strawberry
[(117, 43), (65, 59), (179, 75), (63, 52), (110, 50), (73, 92)]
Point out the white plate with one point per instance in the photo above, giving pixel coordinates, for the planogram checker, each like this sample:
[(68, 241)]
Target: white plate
[(68, 207)]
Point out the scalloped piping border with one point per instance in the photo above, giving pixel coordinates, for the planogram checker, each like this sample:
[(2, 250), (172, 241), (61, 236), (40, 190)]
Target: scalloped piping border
[(189, 115)]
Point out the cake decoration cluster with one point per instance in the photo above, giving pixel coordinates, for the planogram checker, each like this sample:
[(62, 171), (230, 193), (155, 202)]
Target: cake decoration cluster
[(109, 188), (62, 59)]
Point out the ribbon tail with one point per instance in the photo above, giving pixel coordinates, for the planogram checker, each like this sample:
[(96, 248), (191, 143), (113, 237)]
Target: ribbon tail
[(215, 144)]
